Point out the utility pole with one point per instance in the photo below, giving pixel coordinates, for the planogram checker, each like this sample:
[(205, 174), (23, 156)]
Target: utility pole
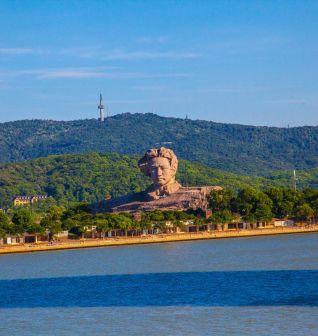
[(295, 180)]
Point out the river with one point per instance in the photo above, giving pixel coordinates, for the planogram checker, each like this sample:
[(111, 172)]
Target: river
[(242, 286)]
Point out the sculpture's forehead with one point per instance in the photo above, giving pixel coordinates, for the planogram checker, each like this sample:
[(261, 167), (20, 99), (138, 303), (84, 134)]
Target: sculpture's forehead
[(160, 161)]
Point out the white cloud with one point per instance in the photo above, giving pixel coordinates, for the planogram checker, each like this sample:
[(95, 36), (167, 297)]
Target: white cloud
[(148, 55), (90, 73), (91, 52), (56, 73), (79, 52), (23, 51), (123, 55)]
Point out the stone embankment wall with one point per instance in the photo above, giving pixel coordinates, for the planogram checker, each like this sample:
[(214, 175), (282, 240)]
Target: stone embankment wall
[(159, 238)]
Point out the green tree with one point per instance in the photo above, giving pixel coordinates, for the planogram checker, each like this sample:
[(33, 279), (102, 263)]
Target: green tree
[(263, 208), (145, 223), (304, 212), (121, 222), (4, 224), (169, 215), (284, 201), (23, 220), (182, 215), (314, 206), (69, 223), (157, 216), (102, 225), (78, 231), (220, 199), (253, 205), (52, 221), (221, 217), (178, 224), (245, 201)]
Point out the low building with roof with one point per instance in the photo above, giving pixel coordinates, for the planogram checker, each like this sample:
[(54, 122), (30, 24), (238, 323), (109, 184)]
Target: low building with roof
[(28, 199)]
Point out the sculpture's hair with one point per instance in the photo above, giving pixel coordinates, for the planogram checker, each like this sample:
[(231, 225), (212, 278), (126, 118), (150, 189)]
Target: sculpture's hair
[(144, 162)]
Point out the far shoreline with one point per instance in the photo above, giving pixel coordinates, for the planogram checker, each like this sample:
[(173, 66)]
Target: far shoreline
[(153, 239)]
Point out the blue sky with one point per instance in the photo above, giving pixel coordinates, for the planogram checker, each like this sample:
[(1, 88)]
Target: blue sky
[(247, 62)]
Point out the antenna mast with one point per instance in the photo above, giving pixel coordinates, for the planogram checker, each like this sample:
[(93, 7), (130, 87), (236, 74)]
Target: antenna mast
[(101, 108)]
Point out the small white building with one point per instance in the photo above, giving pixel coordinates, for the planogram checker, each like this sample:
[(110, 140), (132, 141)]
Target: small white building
[(62, 234), (283, 222), (12, 240)]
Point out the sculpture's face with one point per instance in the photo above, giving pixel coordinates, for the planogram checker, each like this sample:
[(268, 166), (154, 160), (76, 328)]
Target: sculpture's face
[(161, 172)]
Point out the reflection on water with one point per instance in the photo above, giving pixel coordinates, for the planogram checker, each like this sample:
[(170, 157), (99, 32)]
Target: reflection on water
[(158, 321), (253, 286), (244, 288)]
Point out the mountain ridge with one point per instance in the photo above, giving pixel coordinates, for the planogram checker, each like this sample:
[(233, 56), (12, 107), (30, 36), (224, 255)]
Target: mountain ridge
[(236, 148), (157, 115)]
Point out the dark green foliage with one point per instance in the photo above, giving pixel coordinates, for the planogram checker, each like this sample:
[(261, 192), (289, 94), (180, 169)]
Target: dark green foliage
[(253, 205), (236, 148), (122, 222), (51, 221), (24, 221), (77, 231), (249, 204), (5, 226), (223, 216), (90, 177), (284, 201), (78, 219), (220, 199), (102, 224), (157, 216), (304, 212), (72, 178)]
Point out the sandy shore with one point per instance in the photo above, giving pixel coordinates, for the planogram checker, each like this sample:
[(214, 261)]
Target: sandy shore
[(160, 238)]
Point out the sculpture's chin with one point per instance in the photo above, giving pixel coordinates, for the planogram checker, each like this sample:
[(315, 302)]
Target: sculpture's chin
[(161, 183)]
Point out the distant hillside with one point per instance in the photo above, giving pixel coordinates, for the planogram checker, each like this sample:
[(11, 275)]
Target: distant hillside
[(236, 148), (89, 177)]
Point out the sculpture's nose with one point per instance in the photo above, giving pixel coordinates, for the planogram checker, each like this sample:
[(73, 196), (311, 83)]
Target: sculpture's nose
[(159, 171)]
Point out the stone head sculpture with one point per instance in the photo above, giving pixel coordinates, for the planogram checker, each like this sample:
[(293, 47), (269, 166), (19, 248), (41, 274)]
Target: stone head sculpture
[(161, 165)]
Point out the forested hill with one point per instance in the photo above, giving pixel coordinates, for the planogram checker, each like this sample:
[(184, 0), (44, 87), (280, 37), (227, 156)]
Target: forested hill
[(90, 177), (236, 148)]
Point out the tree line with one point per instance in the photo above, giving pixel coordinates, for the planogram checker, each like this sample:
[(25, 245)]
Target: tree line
[(89, 177), (254, 205), (247, 204), (79, 218)]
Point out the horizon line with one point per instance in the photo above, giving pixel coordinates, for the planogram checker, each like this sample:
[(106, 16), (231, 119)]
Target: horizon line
[(161, 116)]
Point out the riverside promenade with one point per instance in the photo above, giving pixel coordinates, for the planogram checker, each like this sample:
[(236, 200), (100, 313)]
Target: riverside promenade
[(149, 239)]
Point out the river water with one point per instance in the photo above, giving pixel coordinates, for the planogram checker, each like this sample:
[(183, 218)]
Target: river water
[(244, 286)]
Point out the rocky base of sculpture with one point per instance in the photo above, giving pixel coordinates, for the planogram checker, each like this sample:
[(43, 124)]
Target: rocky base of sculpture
[(183, 199)]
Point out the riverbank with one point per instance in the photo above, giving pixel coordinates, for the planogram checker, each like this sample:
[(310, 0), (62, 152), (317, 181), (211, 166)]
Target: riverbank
[(150, 239)]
